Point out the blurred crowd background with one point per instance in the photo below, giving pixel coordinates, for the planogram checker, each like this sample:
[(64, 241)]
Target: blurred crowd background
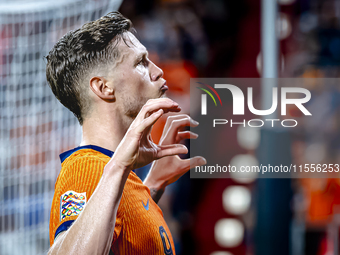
[(187, 39)]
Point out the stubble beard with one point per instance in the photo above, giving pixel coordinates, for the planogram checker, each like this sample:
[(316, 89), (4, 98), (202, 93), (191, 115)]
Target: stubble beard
[(132, 106)]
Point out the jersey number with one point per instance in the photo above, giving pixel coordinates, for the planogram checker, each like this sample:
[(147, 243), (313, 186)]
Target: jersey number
[(166, 241)]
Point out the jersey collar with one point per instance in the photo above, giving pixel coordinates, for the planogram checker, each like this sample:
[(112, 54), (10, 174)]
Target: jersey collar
[(66, 154)]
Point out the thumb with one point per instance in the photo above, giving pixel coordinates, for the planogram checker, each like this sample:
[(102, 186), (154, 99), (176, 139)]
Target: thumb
[(190, 163), (195, 161)]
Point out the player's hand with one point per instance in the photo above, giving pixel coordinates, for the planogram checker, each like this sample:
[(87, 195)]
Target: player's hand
[(136, 148), (169, 169)]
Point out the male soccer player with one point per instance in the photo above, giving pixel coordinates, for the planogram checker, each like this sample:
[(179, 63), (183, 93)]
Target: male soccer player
[(102, 73)]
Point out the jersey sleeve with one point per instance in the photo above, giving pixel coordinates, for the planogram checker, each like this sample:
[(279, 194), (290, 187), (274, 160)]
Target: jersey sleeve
[(74, 187)]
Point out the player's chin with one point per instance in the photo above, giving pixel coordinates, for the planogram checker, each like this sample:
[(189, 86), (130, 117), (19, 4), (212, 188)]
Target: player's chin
[(162, 94)]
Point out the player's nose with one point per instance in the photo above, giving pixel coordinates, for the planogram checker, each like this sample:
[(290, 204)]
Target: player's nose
[(155, 72)]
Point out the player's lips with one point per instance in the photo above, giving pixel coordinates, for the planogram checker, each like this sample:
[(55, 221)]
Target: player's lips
[(164, 87)]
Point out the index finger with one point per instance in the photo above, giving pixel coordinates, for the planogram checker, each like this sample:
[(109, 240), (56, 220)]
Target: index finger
[(172, 118), (153, 105)]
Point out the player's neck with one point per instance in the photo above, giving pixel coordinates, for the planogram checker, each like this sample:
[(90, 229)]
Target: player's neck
[(104, 131)]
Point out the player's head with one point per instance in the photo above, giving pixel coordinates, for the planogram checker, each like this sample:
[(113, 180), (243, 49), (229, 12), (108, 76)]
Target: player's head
[(102, 62)]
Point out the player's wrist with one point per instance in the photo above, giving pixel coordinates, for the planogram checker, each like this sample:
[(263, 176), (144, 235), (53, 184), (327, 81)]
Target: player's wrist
[(115, 166), (152, 180), (154, 184), (156, 188), (156, 194)]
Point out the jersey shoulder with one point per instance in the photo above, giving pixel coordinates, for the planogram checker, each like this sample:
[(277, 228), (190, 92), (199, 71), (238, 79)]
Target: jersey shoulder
[(80, 174)]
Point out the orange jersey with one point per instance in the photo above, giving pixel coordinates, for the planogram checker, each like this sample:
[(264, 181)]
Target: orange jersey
[(140, 227)]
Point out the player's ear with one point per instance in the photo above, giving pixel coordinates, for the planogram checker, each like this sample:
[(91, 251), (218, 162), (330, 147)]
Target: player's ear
[(101, 87)]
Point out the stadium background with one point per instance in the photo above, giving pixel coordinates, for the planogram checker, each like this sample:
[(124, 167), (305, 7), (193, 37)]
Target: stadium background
[(187, 39)]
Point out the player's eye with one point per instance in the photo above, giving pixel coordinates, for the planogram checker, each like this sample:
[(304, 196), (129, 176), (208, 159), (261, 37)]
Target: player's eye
[(143, 62)]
